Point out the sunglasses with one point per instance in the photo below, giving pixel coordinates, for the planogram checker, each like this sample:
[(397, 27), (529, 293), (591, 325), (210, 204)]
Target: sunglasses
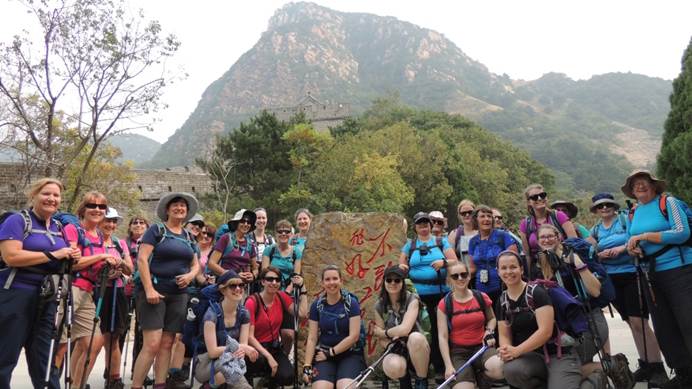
[(605, 206), (283, 232), (538, 196), (393, 280), (138, 222), (272, 279), (498, 217), (465, 213), (439, 222), (234, 286), (460, 276), (208, 235), (102, 207)]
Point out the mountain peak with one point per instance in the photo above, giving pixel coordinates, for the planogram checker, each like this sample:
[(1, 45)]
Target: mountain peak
[(301, 12)]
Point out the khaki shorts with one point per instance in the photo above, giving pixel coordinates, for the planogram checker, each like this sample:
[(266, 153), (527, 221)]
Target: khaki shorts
[(462, 354), (83, 313)]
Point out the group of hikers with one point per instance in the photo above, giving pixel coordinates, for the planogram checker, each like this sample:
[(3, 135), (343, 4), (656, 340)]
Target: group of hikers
[(480, 304)]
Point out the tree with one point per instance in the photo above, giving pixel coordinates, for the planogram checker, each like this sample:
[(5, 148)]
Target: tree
[(675, 157), (96, 70)]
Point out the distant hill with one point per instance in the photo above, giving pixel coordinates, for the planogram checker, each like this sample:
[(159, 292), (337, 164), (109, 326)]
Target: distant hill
[(135, 148), (581, 129)]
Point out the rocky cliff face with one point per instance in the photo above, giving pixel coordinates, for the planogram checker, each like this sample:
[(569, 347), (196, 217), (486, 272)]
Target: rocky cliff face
[(356, 57)]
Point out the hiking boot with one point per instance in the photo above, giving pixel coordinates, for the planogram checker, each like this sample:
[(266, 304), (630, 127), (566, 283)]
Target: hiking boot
[(421, 383), (657, 374), (148, 382), (642, 372), (176, 380), (115, 384), (681, 380), (620, 372)]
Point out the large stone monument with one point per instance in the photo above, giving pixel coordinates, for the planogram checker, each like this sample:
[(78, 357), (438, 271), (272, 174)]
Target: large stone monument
[(362, 245)]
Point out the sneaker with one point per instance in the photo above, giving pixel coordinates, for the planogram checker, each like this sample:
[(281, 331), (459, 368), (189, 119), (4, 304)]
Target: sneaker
[(681, 380), (657, 375), (620, 372), (176, 380), (642, 372)]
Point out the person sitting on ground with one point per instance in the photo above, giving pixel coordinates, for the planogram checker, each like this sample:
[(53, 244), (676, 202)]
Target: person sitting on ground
[(397, 319), (464, 324), (333, 345)]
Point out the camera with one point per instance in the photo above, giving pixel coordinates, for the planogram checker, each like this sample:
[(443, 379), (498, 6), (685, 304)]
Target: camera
[(424, 250)]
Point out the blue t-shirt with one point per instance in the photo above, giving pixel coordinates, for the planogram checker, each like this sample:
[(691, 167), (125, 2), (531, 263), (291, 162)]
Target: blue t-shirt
[(171, 257), (674, 230), (484, 253), (426, 279), (333, 321), (298, 241), (608, 238), (284, 264), (242, 317), (13, 229)]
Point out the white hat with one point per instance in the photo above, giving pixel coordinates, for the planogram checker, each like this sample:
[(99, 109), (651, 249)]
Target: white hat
[(162, 206), (111, 213)]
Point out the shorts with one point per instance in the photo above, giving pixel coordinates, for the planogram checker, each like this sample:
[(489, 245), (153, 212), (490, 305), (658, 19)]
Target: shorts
[(586, 349), (462, 354), (122, 308), (169, 314), (83, 313), (347, 365), (627, 296)]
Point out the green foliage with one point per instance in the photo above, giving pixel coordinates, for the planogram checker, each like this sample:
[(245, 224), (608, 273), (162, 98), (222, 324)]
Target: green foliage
[(392, 158), (675, 158)]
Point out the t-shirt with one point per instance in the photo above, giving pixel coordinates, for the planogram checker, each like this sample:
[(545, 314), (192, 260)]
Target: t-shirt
[(13, 229), (462, 242), (268, 320), (484, 253), (562, 218), (468, 329), (608, 238), (87, 278), (239, 256), (284, 264), (242, 317), (426, 279), (333, 321), (298, 241), (523, 322), (260, 246), (171, 257)]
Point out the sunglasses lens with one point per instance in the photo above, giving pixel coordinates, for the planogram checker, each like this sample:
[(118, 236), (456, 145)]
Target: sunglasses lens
[(393, 280)]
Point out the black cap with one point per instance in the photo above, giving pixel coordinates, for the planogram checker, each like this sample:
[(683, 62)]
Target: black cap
[(396, 271), (420, 216)]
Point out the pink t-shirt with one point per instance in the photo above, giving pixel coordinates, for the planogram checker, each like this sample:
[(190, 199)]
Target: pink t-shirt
[(112, 250), (88, 276)]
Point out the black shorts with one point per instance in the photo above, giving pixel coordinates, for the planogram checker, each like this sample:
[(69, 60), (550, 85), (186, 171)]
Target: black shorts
[(113, 322), (169, 314), (627, 296), (346, 365)]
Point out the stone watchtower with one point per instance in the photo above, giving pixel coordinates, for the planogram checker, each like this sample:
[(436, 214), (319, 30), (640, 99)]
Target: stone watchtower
[(322, 115)]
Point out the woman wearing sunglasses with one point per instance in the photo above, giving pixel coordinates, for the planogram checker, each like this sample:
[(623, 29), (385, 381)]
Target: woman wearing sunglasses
[(135, 231), (397, 319), (539, 214), (205, 241), (461, 236), (530, 361), (236, 324), (235, 250), (267, 310), (463, 333)]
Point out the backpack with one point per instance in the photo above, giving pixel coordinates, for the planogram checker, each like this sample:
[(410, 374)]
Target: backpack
[(623, 224), (449, 305), (570, 317), (663, 207), (582, 248), (294, 257), (166, 234), (531, 227), (193, 330), (346, 297), (28, 230), (423, 324), (413, 248), (233, 244)]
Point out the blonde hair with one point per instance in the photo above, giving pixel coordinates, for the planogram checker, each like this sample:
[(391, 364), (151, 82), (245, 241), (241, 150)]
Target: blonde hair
[(89, 197), (465, 202), (36, 187)]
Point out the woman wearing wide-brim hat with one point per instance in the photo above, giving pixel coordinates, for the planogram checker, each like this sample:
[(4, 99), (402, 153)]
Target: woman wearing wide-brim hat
[(658, 231), (167, 263), (236, 250), (571, 210)]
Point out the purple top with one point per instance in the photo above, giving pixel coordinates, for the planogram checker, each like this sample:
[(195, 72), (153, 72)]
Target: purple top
[(533, 239)]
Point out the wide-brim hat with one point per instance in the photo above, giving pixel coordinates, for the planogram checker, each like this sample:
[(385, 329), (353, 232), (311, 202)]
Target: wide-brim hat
[(572, 209), (603, 198), (660, 185), (162, 206), (241, 214)]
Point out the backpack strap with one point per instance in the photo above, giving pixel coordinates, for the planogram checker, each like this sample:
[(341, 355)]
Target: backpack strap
[(529, 223), (662, 206), (412, 247), (459, 232), (552, 217)]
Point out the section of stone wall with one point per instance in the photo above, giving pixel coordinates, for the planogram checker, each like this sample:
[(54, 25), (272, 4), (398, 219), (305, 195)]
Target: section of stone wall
[(362, 245)]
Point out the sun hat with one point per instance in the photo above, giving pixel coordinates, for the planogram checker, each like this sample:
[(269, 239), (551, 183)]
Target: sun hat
[(603, 198), (420, 216), (225, 277), (162, 206), (660, 185), (238, 216), (572, 209), (112, 213), (437, 215)]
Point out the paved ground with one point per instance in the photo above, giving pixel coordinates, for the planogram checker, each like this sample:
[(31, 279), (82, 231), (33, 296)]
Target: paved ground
[(620, 337)]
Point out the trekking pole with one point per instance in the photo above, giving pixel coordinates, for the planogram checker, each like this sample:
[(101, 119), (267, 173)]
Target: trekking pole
[(296, 324), (370, 369), (109, 369), (65, 267), (102, 290), (130, 312), (640, 291), (468, 363), (69, 305)]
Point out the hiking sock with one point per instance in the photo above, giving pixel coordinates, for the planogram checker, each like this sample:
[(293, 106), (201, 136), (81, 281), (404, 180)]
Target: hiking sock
[(173, 370)]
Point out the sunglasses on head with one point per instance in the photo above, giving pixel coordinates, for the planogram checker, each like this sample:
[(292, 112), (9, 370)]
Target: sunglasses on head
[(538, 196), (460, 276), (393, 280), (283, 232), (272, 279), (94, 206), (466, 213)]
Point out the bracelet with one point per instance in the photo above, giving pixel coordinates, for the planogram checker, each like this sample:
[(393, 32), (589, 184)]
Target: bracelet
[(386, 334), (332, 352)]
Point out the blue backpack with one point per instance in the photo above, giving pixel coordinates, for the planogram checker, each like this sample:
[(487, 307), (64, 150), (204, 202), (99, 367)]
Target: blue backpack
[(346, 297), (582, 248), (193, 330), (166, 234)]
